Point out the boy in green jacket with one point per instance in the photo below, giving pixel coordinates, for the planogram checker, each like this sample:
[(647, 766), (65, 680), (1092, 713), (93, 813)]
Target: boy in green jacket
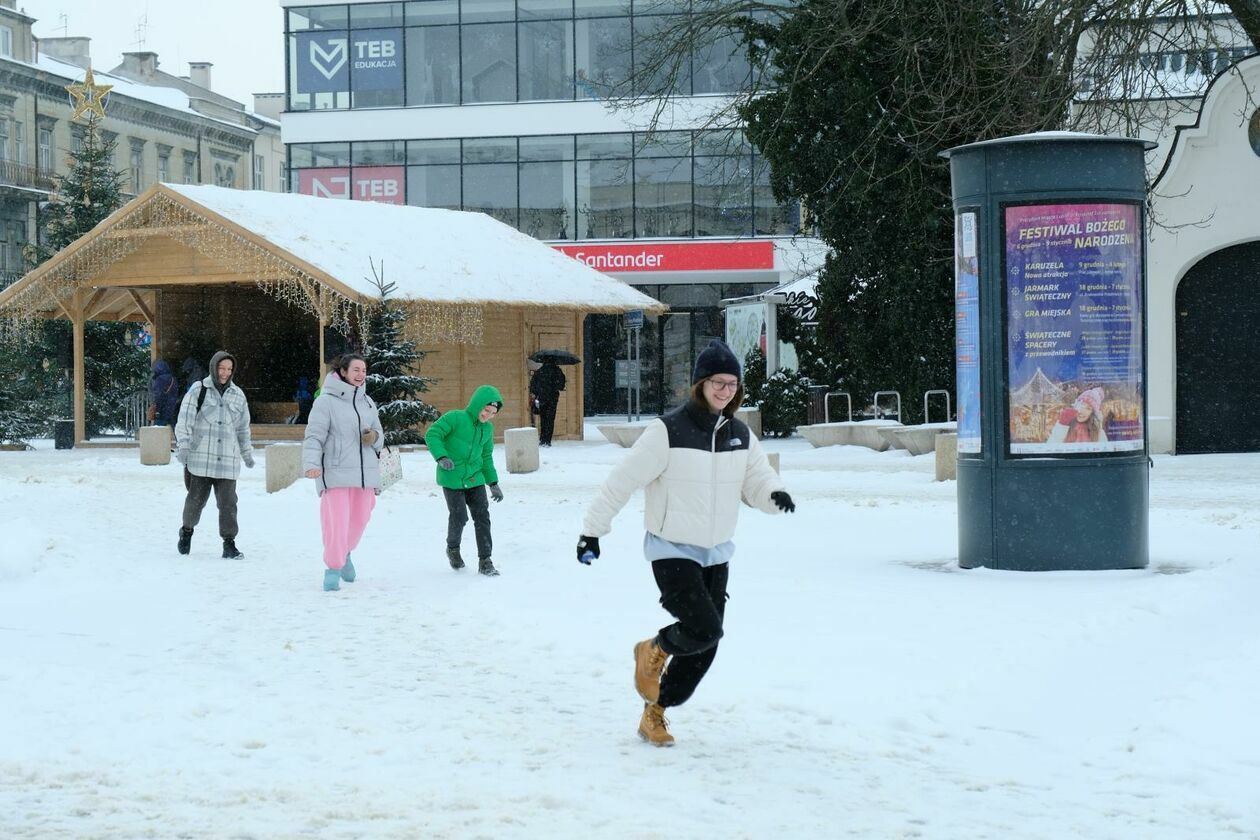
[(462, 443)]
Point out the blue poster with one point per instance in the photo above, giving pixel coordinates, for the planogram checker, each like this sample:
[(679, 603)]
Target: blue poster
[(1074, 328), (323, 62), (329, 61), (376, 59), (967, 332)]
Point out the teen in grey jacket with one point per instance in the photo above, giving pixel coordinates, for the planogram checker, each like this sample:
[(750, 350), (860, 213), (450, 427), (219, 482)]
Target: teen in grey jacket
[(334, 437), (341, 452)]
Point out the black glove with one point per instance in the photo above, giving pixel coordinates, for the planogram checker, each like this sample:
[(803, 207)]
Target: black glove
[(446, 463), (496, 493), (587, 549), (783, 500)]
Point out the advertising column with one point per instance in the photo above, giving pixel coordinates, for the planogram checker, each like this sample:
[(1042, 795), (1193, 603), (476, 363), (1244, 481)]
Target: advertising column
[(1049, 279)]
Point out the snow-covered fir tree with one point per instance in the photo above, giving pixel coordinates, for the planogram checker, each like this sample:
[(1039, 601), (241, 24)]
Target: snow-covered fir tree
[(392, 361)]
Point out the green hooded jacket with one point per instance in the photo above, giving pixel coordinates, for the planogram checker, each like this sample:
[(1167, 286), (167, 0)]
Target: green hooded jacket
[(468, 442)]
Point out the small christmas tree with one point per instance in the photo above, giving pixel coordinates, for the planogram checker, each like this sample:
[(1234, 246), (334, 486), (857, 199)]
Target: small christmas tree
[(391, 360)]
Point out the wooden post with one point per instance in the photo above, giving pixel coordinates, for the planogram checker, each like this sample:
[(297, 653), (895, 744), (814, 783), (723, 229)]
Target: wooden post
[(80, 383)]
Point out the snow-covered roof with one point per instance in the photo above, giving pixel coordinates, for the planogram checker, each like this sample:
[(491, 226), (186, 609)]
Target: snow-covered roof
[(444, 256)]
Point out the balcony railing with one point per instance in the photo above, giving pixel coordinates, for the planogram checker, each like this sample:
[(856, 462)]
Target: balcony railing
[(14, 174)]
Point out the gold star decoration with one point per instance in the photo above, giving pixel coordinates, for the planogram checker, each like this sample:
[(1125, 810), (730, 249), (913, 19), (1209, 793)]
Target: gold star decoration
[(88, 96)]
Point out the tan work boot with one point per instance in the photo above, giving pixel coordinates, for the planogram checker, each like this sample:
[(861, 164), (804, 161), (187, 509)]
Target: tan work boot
[(653, 727), (649, 662)]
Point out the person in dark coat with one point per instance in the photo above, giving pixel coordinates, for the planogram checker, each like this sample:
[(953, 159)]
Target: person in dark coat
[(545, 387), (164, 389), (192, 372)]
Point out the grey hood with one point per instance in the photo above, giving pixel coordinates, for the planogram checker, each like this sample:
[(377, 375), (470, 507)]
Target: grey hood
[(213, 373)]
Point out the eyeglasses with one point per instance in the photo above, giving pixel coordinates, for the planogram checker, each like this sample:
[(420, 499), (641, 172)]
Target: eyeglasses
[(724, 385)]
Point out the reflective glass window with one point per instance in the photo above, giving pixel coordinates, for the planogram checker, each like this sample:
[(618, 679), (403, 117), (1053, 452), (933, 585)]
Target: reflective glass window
[(490, 188), (319, 70), (429, 12), (601, 8), (489, 62), (592, 146), (432, 151), (366, 15), (317, 17), (721, 66), (663, 144), (664, 77), (433, 65), (605, 199), (479, 11), (319, 154), (557, 147), (662, 196), (546, 60), (490, 150), (434, 186), (544, 9), (603, 57), (378, 153), (723, 195), (547, 191)]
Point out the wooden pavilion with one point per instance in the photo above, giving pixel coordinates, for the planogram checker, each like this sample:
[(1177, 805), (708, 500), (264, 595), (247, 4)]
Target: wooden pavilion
[(284, 282)]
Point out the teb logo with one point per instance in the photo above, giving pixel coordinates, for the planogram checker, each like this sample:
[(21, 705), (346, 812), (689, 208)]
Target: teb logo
[(329, 61)]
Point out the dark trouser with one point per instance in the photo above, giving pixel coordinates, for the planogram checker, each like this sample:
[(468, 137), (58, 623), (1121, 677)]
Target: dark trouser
[(546, 422), (459, 503), (696, 596), (199, 488)]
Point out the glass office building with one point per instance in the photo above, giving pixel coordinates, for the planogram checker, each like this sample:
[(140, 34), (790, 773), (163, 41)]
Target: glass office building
[(496, 106)]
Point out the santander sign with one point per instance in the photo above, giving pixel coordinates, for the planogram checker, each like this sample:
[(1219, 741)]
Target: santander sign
[(752, 255)]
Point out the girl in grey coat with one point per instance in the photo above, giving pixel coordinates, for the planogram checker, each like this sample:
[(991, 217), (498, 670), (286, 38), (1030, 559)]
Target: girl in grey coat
[(341, 452)]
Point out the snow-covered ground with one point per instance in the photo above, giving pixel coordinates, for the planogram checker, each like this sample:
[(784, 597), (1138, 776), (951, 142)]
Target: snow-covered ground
[(866, 686)]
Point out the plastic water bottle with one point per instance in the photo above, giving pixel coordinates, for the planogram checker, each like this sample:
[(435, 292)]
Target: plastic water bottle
[(587, 557)]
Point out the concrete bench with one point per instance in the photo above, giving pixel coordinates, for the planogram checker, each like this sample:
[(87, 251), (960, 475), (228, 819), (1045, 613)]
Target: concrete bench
[(751, 417), (155, 444), (853, 433), (521, 447), (622, 434), (946, 456), (889, 433), (921, 439), (283, 465)]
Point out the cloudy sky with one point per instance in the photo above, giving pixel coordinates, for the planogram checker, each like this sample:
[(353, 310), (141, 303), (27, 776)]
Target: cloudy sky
[(243, 38)]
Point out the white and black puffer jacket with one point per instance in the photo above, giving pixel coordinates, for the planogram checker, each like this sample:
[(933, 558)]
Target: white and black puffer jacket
[(695, 467)]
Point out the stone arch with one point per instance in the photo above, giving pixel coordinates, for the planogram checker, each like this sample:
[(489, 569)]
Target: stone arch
[(1218, 352)]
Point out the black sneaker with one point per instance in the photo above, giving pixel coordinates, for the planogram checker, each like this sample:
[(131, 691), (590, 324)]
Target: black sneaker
[(485, 567), (457, 562), (185, 540), (229, 550)]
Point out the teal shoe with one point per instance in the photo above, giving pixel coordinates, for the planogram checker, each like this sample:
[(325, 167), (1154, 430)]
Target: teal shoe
[(347, 571), (332, 580)]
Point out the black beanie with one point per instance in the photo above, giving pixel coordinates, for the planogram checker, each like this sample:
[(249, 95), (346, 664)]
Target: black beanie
[(716, 358)]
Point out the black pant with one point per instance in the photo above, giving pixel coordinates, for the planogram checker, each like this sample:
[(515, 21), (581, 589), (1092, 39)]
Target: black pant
[(459, 503), (546, 421), (199, 488), (696, 596)]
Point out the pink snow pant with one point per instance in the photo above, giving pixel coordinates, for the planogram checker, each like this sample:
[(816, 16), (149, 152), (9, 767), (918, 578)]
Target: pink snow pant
[(343, 514)]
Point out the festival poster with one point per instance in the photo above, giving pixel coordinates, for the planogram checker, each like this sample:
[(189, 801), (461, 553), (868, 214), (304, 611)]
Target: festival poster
[(967, 331), (1074, 328)]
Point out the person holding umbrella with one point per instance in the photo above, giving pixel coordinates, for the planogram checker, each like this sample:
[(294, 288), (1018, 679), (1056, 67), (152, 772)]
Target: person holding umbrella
[(545, 387)]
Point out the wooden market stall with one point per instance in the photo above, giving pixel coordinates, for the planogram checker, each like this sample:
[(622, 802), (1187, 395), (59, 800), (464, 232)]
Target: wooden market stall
[(285, 281)]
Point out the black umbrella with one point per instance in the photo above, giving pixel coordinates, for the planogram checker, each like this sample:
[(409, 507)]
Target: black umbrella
[(560, 357)]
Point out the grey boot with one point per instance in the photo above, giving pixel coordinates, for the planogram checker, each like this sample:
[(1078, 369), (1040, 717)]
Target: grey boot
[(457, 562), (485, 567)]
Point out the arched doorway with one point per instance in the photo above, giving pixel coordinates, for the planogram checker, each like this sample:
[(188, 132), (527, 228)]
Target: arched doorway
[(1218, 353)]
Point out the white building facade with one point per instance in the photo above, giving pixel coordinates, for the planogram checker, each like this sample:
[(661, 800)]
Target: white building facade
[(499, 106), (1204, 275)]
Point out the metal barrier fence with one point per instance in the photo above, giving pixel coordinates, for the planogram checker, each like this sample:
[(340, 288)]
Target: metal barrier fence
[(137, 413)]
